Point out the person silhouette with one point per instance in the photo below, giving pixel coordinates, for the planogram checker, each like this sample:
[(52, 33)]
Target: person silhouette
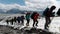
[(34, 17), (48, 13), (27, 18)]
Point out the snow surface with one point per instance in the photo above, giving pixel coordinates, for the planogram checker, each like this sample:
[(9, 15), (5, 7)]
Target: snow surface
[(54, 26)]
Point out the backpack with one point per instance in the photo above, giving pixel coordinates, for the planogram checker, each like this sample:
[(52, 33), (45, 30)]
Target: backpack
[(36, 16), (32, 16), (45, 12)]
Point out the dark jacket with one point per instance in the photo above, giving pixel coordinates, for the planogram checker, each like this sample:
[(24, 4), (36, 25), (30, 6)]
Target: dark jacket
[(49, 12), (18, 18), (22, 18)]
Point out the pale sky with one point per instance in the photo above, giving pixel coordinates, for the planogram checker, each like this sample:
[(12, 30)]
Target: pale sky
[(30, 5)]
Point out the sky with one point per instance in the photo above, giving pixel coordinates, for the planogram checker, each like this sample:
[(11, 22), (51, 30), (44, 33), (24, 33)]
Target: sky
[(29, 5), (21, 2)]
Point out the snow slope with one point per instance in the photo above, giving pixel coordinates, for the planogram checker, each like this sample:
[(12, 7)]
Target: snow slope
[(54, 26)]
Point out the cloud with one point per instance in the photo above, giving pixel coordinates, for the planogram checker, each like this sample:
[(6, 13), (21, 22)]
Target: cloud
[(31, 5), (6, 7), (40, 4)]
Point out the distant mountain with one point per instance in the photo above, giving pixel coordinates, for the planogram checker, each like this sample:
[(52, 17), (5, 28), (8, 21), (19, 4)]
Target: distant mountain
[(15, 11), (2, 11)]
